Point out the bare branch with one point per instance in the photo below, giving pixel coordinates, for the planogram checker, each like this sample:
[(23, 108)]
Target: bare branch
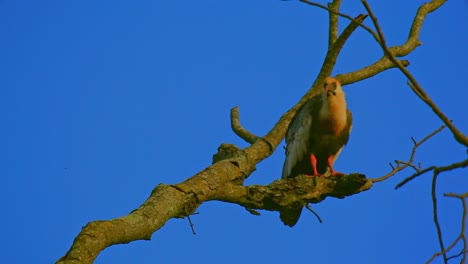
[(436, 215), (290, 192), (239, 129), (457, 255), (396, 51), (381, 65), (457, 165), (192, 226), (335, 12), (401, 165), (333, 18), (182, 199), (413, 83), (313, 211), (461, 236)]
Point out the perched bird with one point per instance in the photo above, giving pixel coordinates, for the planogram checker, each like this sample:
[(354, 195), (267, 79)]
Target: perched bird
[(315, 138)]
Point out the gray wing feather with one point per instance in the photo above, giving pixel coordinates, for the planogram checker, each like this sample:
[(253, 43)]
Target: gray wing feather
[(297, 138)]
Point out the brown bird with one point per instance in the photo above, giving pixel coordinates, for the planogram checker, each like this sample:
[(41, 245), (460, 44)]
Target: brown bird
[(315, 138)]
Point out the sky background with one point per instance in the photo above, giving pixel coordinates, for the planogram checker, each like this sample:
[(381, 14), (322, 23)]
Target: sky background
[(103, 100)]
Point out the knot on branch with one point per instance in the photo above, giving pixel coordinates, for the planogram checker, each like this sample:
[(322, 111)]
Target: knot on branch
[(227, 151)]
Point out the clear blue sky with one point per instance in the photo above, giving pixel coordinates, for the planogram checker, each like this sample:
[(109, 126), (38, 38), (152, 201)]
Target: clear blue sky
[(103, 100)]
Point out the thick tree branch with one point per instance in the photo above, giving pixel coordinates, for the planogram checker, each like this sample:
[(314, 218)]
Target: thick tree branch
[(292, 192), (181, 200)]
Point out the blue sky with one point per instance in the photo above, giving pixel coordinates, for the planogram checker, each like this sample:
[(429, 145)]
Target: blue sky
[(103, 100)]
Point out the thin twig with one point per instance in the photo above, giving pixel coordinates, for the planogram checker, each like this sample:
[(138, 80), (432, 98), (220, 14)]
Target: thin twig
[(456, 165), (436, 216), (403, 165), (368, 29), (461, 236), (456, 255), (315, 213), (192, 226), (239, 129)]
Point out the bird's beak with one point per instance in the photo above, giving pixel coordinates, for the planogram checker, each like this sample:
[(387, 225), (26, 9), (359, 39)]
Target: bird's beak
[(330, 89)]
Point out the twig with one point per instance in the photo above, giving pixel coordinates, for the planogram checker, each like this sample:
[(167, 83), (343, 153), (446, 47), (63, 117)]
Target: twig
[(253, 211), (191, 224), (315, 213), (398, 162), (239, 129), (403, 165), (368, 29), (436, 216), (461, 236), (456, 165), (457, 255)]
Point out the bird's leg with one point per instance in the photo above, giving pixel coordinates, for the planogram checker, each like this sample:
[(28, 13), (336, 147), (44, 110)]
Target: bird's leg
[(313, 162), (330, 165)]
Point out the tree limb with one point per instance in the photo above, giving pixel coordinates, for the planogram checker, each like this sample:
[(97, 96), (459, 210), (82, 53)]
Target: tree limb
[(333, 22), (413, 83), (181, 200), (439, 169), (239, 129), (461, 236), (403, 165), (396, 51)]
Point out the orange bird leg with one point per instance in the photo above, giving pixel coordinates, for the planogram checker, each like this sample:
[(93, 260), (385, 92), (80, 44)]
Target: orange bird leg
[(313, 162), (330, 165)]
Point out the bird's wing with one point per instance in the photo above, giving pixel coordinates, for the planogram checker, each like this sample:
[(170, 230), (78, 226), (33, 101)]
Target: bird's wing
[(298, 136)]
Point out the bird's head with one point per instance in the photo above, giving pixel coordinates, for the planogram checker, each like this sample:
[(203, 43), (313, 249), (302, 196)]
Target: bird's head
[(332, 87)]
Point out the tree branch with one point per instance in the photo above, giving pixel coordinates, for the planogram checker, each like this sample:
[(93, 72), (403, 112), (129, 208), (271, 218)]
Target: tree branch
[(181, 200), (413, 83), (333, 22), (400, 165), (293, 191), (461, 236), (239, 129), (439, 169), (396, 51)]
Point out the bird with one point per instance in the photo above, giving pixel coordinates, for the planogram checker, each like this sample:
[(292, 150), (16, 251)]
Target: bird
[(315, 138)]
